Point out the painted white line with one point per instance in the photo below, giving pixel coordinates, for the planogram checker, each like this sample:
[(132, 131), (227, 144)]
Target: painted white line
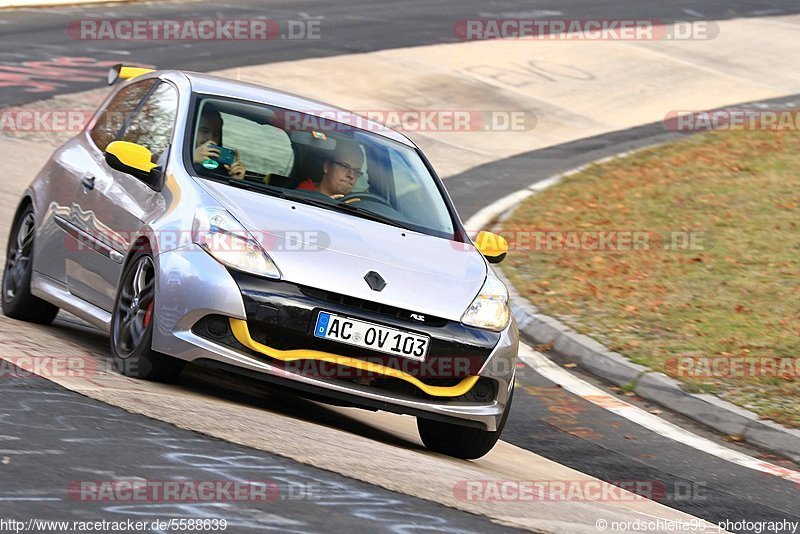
[(693, 13), (550, 370), (765, 12), (777, 23), (118, 52), (14, 452), (29, 499), (545, 367), (701, 67), (533, 14)]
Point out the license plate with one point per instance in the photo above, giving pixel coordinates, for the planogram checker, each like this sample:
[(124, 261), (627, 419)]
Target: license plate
[(371, 336)]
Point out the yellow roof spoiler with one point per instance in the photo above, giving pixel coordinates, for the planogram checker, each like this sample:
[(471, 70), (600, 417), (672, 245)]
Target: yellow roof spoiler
[(123, 72)]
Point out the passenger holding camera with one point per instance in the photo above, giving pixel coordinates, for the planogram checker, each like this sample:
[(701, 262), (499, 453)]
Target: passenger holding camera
[(208, 141)]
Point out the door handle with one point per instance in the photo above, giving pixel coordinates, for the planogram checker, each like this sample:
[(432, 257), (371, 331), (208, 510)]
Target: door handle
[(88, 182)]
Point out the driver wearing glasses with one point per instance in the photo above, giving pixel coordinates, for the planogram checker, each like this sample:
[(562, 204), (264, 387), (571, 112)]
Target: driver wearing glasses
[(340, 172)]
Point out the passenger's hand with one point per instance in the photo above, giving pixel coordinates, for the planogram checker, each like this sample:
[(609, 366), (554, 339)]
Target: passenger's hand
[(204, 152), (237, 170)]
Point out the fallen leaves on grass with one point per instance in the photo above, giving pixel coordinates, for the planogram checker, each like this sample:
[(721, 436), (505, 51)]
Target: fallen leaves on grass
[(738, 291)]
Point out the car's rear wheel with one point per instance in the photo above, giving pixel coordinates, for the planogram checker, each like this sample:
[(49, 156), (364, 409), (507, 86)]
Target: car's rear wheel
[(460, 441), (17, 300), (132, 324)]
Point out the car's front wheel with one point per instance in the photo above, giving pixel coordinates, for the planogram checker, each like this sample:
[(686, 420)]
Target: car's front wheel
[(132, 324), (17, 300), (460, 441)]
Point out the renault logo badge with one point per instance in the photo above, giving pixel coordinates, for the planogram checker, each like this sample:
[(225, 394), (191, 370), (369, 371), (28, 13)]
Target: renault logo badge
[(375, 281)]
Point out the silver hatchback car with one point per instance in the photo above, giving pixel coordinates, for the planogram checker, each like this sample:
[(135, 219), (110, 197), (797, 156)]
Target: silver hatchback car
[(198, 219)]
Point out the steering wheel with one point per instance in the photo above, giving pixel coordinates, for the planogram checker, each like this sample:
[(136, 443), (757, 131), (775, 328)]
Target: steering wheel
[(365, 196)]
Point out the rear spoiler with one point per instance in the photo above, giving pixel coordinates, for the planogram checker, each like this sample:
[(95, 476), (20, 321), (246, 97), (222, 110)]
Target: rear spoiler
[(123, 72)]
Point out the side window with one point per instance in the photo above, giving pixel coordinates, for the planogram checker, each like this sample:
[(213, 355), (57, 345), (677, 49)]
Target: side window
[(113, 116), (263, 149), (151, 126)]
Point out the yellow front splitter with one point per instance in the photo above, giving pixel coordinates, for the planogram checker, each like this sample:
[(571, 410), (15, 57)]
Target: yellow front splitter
[(242, 334)]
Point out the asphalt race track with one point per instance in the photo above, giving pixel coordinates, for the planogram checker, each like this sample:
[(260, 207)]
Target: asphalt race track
[(31, 35), (52, 436)]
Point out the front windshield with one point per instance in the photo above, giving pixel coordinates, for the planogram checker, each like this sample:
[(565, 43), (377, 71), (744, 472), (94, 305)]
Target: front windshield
[(329, 164)]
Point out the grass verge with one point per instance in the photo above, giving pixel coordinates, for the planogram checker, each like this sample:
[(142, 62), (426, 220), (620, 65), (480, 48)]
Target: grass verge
[(684, 257)]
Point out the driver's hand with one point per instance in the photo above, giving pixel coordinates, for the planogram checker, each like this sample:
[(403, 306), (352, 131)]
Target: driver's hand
[(337, 196), (237, 170), (204, 152)]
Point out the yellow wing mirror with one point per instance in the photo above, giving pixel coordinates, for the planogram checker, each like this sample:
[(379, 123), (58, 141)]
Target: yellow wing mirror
[(493, 247), (121, 72), (131, 158)]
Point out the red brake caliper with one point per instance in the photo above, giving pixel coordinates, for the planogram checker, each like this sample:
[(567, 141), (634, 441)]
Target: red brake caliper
[(148, 314)]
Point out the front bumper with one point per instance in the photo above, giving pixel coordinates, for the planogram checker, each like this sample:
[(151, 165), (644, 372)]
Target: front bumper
[(192, 287)]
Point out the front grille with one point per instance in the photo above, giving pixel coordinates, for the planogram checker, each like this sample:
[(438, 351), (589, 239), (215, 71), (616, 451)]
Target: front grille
[(366, 305), (216, 328), (282, 315)]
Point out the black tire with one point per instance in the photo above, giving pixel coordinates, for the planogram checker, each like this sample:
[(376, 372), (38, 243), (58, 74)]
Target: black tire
[(17, 301), (132, 324), (458, 441)]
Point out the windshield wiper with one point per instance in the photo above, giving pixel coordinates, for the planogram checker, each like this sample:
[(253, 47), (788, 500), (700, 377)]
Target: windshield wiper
[(258, 188), (367, 214), (341, 206), (289, 194), (274, 191)]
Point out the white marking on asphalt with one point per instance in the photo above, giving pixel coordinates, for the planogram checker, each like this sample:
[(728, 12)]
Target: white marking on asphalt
[(306, 16), (118, 52), (698, 66), (776, 23), (764, 12), (693, 13), (46, 451), (29, 499), (550, 370), (533, 13)]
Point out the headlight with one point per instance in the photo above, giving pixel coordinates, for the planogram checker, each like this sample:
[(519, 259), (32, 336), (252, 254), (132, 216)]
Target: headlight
[(222, 236), (490, 308)]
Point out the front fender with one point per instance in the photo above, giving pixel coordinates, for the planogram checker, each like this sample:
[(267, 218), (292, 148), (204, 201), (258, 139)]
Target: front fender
[(190, 284)]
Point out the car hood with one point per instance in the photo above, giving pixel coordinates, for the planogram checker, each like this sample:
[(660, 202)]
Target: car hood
[(334, 251)]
